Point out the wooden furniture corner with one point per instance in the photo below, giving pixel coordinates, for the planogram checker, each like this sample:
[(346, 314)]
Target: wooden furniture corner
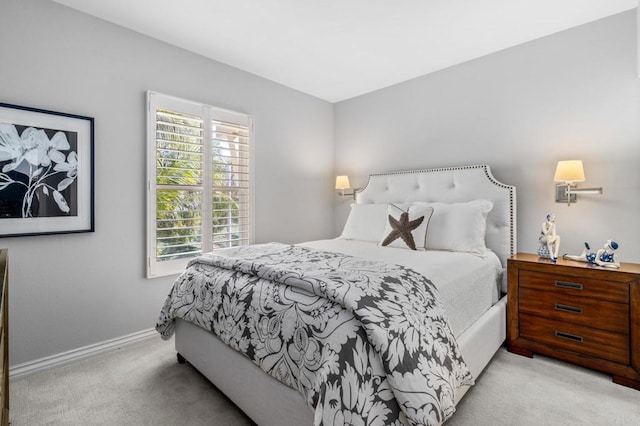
[(4, 338), (577, 312)]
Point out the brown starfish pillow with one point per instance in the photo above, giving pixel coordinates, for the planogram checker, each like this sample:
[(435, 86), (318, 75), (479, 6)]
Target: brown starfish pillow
[(407, 228)]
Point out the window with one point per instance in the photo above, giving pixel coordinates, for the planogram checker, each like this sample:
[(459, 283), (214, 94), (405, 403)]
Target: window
[(199, 181)]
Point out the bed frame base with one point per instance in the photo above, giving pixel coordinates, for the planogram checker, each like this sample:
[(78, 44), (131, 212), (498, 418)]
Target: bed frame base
[(268, 402), (242, 381)]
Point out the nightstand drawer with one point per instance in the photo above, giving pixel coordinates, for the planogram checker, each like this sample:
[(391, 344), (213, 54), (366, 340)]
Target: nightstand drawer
[(575, 286), (602, 344), (585, 311)]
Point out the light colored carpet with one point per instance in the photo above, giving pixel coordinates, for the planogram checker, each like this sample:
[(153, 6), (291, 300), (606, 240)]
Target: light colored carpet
[(142, 384), (515, 390)]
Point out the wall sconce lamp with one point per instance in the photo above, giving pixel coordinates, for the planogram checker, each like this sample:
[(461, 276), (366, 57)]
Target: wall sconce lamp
[(342, 183), (569, 172)]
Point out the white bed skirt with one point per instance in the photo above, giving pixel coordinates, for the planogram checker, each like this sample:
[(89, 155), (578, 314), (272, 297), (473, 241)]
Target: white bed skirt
[(270, 403)]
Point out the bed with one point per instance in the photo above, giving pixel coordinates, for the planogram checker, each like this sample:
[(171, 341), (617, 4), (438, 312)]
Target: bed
[(478, 321)]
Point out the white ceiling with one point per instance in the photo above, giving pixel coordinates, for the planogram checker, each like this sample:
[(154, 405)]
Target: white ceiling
[(338, 49)]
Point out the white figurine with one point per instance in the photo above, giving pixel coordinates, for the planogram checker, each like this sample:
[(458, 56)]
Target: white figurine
[(549, 239), (605, 256)]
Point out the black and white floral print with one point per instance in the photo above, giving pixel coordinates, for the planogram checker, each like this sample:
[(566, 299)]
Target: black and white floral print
[(365, 342)]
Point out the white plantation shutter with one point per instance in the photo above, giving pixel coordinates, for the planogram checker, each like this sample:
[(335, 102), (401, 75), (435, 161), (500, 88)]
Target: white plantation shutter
[(199, 181), (231, 183)]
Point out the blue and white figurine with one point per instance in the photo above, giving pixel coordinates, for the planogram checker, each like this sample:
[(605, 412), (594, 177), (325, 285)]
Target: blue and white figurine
[(549, 240), (605, 257)]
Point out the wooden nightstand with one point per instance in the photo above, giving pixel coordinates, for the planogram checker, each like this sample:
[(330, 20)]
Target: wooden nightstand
[(577, 312)]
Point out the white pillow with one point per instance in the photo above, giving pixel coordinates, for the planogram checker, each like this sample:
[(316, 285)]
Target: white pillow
[(406, 228), (365, 222), (458, 226)]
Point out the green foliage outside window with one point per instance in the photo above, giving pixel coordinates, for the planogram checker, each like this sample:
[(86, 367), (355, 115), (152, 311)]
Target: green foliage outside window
[(179, 194)]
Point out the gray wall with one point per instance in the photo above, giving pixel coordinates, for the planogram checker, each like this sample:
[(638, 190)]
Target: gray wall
[(69, 291), (572, 95)]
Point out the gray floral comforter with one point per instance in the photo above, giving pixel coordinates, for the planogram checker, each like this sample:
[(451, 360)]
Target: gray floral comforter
[(366, 343)]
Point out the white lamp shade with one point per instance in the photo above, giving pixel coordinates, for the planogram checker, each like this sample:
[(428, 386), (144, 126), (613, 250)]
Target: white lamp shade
[(569, 171), (342, 182)]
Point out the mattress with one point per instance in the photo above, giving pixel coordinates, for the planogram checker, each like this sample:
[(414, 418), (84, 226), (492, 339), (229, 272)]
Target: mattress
[(468, 283)]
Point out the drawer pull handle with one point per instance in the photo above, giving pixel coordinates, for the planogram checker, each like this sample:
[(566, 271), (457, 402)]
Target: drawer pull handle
[(566, 284), (568, 308), (569, 336)]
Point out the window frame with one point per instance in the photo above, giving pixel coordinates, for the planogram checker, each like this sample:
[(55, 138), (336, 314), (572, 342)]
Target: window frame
[(208, 113)]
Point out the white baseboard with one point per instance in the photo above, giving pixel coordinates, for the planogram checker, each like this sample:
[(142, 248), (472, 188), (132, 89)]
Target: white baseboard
[(57, 360)]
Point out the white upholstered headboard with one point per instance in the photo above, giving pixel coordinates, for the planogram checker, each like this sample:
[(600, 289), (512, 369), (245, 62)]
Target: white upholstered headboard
[(452, 185)]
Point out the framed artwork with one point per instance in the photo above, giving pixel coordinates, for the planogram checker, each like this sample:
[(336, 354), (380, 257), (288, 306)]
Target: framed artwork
[(46, 172)]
